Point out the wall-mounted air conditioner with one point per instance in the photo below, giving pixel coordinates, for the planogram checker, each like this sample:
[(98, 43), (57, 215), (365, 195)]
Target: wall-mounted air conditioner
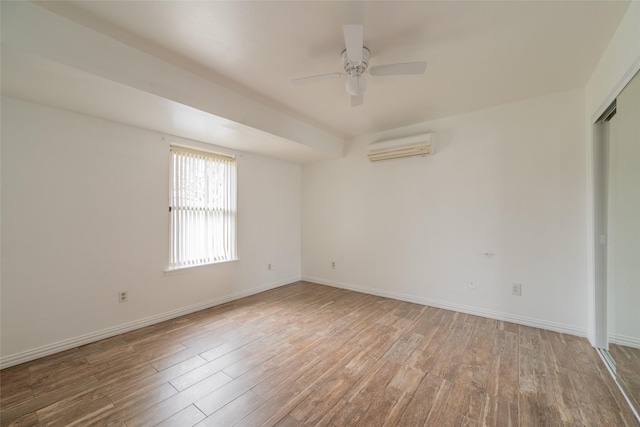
[(417, 145)]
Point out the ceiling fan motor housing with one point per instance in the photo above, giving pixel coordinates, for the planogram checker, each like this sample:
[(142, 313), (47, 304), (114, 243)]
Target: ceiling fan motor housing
[(356, 83), (356, 68)]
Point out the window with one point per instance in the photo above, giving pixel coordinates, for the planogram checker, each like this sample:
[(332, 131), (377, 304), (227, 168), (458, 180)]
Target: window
[(202, 208)]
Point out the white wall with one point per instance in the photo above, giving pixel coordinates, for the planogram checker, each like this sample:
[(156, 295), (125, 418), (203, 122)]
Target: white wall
[(85, 214), (507, 180)]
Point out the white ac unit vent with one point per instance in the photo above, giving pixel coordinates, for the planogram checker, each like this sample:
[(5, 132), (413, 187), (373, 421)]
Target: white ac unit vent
[(417, 145)]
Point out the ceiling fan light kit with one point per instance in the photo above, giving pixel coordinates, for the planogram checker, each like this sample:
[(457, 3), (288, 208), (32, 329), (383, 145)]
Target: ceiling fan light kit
[(355, 61), (356, 85)]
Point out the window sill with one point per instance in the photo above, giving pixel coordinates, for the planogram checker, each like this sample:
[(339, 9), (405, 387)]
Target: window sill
[(172, 271)]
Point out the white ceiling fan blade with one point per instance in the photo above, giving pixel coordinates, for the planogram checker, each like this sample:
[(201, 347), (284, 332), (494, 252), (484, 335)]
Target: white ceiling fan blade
[(354, 41), (398, 69), (357, 100), (318, 77)]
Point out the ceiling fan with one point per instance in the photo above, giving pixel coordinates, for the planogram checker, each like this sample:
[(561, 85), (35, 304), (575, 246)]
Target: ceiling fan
[(355, 59)]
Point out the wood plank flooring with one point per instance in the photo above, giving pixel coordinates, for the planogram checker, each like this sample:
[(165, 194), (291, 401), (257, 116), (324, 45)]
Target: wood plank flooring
[(306, 354)]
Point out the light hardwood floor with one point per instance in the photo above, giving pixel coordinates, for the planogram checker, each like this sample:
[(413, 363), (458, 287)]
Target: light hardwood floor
[(306, 354)]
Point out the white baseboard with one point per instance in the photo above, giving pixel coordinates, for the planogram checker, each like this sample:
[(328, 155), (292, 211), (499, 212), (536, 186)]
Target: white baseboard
[(36, 353), (624, 340), (521, 320), (26, 356)]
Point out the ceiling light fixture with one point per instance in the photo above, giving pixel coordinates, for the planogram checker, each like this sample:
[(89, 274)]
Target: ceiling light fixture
[(356, 85)]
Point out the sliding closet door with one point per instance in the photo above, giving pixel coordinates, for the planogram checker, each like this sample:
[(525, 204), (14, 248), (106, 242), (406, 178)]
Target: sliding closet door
[(623, 249)]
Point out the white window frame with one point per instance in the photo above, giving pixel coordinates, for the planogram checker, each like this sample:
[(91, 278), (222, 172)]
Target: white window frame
[(203, 215)]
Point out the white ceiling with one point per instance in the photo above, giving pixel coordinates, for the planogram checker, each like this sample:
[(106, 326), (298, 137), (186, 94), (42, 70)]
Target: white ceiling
[(479, 53), (220, 71), (27, 77)]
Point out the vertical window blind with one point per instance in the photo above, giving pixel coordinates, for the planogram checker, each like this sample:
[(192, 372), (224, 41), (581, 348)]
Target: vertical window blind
[(202, 208)]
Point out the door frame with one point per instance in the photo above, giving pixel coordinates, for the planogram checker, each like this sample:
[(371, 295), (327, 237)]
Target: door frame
[(597, 240), (597, 260)]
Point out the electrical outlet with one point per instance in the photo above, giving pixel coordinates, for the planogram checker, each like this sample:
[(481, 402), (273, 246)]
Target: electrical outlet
[(471, 283), (271, 267), (122, 296), (516, 289), (333, 265)]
